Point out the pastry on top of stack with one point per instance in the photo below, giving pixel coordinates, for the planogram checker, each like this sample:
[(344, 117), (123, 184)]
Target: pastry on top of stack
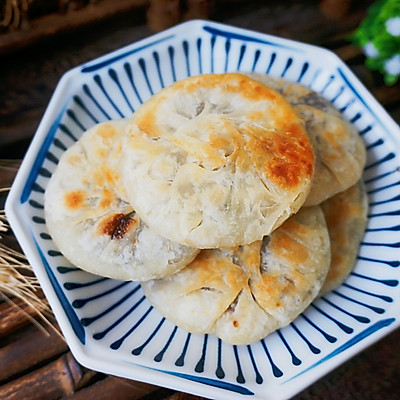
[(216, 160), (217, 195)]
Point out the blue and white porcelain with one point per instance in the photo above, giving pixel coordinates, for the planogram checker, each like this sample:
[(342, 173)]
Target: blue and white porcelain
[(110, 326)]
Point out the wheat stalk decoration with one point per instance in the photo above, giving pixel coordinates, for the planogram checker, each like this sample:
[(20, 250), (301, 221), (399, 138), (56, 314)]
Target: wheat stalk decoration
[(14, 12), (17, 280)]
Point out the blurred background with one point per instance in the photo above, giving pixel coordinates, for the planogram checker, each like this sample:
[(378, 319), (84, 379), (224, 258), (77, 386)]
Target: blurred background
[(42, 39)]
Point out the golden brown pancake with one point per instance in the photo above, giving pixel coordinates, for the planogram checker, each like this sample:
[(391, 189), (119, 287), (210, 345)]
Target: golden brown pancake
[(242, 294), (339, 150), (216, 160), (90, 220), (346, 217)]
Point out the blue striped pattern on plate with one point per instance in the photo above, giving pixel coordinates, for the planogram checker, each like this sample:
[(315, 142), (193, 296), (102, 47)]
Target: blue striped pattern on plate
[(110, 326)]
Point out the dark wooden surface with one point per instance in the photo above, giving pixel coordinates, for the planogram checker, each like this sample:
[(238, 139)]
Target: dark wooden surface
[(35, 366)]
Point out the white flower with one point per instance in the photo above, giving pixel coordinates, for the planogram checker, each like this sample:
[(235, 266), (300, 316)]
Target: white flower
[(393, 26), (370, 50), (392, 65)]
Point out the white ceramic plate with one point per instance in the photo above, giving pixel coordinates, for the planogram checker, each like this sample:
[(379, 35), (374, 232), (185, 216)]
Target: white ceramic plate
[(109, 325)]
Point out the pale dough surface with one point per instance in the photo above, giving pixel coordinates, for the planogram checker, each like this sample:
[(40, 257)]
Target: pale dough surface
[(244, 293), (217, 160), (339, 150), (91, 222), (346, 217)]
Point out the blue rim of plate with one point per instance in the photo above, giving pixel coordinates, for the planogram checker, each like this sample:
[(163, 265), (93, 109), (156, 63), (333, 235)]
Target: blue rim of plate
[(110, 326)]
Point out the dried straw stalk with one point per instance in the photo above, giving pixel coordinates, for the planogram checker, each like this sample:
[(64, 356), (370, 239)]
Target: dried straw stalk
[(17, 281), (14, 12)]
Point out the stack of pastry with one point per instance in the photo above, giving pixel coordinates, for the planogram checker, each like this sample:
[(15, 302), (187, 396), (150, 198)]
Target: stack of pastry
[(234, 199)]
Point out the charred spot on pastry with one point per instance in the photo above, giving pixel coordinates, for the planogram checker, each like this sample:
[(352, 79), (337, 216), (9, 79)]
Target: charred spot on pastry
[(118, 225)]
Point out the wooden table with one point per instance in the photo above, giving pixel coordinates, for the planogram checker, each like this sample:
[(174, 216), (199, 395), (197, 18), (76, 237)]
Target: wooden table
[(36, 366)]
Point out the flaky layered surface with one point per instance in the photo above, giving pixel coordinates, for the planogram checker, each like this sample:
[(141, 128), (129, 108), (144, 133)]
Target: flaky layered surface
[(90, 220), (346, 217), (339, 150), (244, 293), (217, 160)]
